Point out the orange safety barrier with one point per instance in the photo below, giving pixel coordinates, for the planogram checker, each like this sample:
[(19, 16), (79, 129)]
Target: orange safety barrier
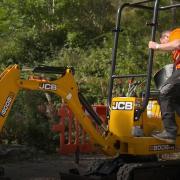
[(72, 136)]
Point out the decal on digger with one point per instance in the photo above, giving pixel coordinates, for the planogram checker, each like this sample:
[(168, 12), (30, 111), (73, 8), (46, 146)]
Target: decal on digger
[(48, 86), (7, 104), (162, 147), (122, 105)]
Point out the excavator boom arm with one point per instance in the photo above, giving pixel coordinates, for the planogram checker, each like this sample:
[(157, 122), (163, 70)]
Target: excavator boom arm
[(65, 87)]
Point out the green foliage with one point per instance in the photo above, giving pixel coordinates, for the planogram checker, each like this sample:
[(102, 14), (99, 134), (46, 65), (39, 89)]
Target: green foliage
[(33, 31), (29, 124)]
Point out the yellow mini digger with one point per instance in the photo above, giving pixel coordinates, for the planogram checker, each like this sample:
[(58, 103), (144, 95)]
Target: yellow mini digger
[(131, 120)]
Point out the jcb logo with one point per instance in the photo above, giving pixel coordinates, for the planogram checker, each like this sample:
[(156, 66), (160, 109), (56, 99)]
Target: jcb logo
[(122, 106), (48, 86)]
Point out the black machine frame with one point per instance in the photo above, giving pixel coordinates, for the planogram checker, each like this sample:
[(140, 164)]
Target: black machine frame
[(140, 5)]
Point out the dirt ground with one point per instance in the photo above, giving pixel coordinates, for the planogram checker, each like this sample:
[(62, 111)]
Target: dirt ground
[(24, 163), (47, 167)]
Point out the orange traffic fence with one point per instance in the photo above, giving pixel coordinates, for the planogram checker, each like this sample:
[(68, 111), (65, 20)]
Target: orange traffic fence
[(72, 135)]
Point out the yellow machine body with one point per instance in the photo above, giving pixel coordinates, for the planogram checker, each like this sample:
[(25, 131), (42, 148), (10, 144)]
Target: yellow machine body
[(123, 135), (135, 135)]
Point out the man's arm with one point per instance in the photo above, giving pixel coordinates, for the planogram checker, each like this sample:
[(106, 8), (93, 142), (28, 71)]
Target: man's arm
[(170, 46)]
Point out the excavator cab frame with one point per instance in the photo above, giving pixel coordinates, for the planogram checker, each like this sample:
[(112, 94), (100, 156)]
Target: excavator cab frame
[(134, 119), (138, 5)]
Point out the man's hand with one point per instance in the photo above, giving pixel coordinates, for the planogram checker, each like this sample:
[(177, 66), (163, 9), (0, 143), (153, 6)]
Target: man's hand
[(170, 46), (153, 45)]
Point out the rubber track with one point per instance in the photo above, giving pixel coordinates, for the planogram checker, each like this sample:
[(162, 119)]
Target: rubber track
[(163, 170)]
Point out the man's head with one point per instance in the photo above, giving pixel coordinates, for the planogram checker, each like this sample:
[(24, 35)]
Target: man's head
[(165, 37)]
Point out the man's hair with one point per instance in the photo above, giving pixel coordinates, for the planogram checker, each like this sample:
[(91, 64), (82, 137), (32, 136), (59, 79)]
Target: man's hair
[(164, 32)]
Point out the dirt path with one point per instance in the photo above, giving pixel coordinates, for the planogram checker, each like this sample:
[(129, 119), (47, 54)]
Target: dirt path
[(45, 168)]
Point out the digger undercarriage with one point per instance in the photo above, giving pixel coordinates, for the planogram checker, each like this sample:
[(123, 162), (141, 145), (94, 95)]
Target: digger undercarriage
[(125, 168)]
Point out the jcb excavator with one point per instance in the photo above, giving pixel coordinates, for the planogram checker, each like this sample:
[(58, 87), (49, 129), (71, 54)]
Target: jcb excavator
[(131, 120)]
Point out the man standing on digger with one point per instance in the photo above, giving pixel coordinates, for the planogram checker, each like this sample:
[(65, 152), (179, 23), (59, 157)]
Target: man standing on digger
[(170, 90)]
